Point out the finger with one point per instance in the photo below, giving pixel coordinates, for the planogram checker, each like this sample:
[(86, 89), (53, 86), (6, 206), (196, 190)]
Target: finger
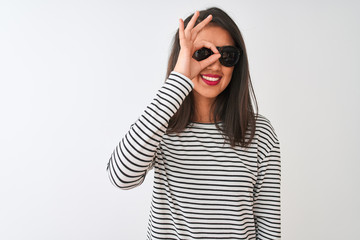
[(200, 44), (181, 29), (210, 60), (202, 24), (192, 21)]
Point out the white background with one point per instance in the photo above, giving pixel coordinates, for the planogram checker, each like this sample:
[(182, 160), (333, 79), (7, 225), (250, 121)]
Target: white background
[(75, 74)]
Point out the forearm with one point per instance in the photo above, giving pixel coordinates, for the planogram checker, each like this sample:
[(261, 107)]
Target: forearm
[(133, 155), (267, 205)]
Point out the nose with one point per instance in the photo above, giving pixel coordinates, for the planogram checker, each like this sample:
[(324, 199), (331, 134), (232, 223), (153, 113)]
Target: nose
[(215, 66)]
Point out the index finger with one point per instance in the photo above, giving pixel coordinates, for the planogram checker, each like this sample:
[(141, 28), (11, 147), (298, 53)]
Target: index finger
[(200, 44)]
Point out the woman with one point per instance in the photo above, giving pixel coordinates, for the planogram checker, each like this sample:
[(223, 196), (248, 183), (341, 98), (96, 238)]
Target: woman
[(217, 163)]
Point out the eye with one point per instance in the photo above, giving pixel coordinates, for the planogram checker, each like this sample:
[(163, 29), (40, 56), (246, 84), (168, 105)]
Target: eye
[(202, 53), (229, 55)]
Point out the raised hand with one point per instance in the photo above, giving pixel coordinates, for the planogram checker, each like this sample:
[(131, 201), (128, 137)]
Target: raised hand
[(185, 64)]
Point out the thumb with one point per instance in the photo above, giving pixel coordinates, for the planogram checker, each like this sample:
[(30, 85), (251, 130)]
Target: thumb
[(210, 60)]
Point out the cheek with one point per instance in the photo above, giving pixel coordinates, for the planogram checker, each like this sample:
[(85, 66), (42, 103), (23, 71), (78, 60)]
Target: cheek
[(196, 80), (228, 73)]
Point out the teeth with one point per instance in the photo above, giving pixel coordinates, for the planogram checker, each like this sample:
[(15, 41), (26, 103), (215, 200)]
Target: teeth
[(210, 78)]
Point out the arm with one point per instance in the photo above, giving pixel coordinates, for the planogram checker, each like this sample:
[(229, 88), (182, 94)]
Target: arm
[(135, 153), (267, 196)]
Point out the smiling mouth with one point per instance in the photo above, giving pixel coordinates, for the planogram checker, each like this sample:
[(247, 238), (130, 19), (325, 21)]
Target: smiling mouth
[(210, 79)]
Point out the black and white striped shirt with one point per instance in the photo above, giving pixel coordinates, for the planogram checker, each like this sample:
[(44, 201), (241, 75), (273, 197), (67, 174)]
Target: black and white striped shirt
[(203, 188)]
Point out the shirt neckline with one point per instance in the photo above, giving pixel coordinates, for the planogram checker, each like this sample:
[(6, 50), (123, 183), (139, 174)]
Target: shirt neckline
[(204, 123)]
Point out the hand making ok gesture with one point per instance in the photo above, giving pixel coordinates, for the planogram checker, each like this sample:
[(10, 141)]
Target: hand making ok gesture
[(185, 64)]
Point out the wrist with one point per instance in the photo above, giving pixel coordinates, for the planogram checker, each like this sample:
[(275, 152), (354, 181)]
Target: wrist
[(181, 70)]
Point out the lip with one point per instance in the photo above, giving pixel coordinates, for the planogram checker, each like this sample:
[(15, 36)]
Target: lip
[(211, 75), (211, 82)]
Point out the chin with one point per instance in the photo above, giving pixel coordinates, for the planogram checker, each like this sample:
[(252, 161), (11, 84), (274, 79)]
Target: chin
[(205, 94)]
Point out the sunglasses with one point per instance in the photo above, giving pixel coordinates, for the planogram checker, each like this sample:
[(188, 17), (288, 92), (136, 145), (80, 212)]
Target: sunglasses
[(229, 55)]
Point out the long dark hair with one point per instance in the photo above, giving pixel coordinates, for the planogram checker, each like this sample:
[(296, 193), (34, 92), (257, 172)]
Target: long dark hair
[(233, 105)]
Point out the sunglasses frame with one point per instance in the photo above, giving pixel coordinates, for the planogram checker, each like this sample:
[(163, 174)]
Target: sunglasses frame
[(220, 49)]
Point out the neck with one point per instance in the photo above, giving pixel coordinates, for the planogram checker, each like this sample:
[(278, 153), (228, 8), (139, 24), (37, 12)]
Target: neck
[(202, 111)]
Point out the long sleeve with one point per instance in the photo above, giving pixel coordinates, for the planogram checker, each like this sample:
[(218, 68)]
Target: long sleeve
[(267, 195), (135, 154)]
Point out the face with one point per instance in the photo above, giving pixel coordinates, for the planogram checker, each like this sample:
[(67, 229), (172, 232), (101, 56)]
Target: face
[(204, 90)]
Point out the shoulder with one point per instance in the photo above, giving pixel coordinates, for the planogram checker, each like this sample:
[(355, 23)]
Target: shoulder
[(264, 124), (266, 135)]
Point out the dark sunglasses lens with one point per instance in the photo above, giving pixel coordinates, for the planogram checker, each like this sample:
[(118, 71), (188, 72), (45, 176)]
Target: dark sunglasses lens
[(202, 54), (229, 56)]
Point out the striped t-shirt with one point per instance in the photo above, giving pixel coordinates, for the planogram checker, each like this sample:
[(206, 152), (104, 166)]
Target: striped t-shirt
[(203, 188)]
